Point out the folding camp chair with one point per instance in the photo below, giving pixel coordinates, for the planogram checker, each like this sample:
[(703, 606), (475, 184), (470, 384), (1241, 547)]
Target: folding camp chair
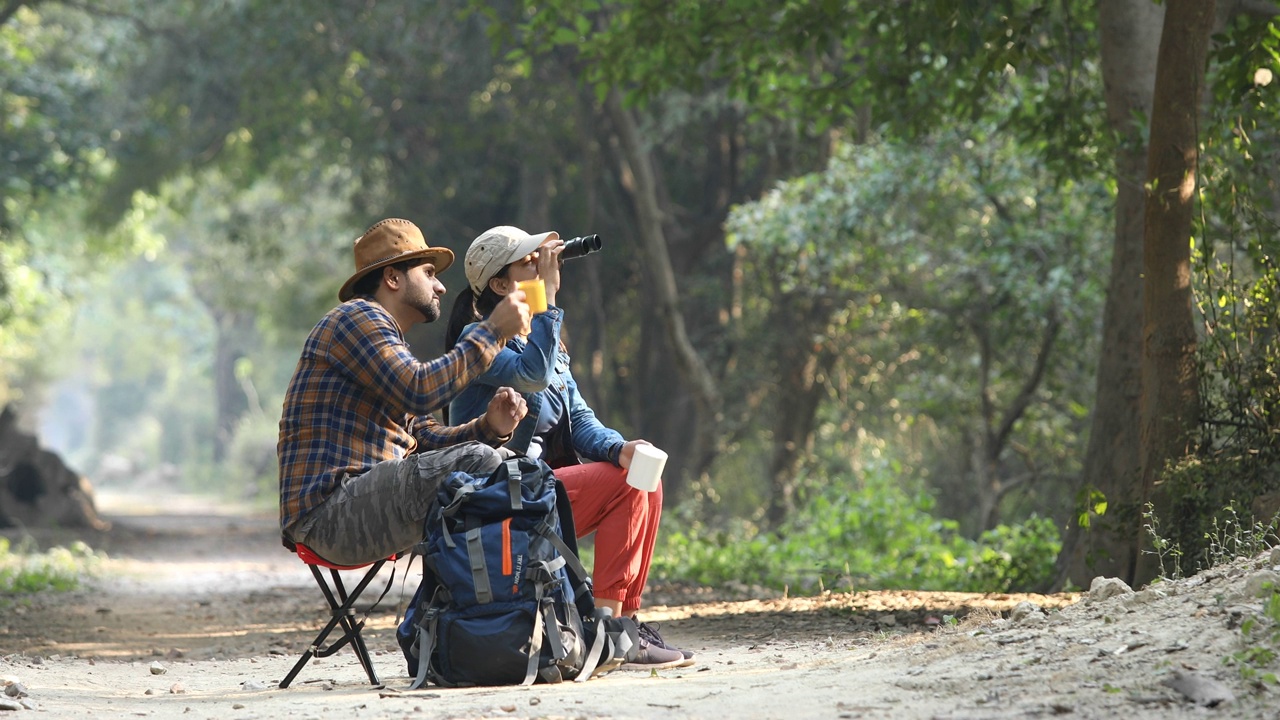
[(341, 606)]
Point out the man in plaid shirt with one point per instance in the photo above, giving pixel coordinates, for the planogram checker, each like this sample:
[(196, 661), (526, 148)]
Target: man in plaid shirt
[(360, 456)]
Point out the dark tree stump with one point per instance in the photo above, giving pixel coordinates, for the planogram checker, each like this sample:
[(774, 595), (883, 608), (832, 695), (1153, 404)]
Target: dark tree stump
[(37, 489)]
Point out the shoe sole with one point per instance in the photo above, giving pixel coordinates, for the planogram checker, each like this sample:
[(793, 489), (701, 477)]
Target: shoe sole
[(645, 667)]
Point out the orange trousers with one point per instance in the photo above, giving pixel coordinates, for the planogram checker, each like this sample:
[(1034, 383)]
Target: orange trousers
[(625, 521)]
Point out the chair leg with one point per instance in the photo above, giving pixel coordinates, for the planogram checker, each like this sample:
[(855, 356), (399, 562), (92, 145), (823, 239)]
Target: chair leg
[(342, 613), (353, 628)]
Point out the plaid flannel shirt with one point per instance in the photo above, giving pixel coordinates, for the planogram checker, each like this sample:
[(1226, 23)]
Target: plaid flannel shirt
[(359, 397)]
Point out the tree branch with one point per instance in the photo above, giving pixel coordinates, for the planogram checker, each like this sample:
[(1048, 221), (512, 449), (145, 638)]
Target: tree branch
[(1019, 406), (653, 243)]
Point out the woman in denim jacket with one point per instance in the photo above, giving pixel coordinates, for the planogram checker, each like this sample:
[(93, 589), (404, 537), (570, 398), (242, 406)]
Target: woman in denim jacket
[(560, 428)]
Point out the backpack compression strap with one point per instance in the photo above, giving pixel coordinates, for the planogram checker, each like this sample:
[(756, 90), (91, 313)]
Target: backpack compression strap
[(577, 572), (479, 568), (514, 475)]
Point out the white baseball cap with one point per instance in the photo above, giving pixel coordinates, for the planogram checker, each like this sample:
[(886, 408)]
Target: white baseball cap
[(497, 248)]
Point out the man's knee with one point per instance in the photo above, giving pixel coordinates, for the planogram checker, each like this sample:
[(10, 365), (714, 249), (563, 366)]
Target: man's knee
[(480, 459), (473, 458)]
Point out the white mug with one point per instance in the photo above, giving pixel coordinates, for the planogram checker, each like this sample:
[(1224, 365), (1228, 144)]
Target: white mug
[(645, 472)]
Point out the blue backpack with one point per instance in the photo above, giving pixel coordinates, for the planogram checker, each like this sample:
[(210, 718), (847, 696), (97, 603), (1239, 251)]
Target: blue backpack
[(504, 599)]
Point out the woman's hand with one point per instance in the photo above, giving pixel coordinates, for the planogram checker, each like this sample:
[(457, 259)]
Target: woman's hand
[(549, 267), (629, 451), (505, 411)]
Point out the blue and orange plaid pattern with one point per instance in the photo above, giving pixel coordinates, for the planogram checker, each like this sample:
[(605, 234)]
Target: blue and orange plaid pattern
[(359, 397)]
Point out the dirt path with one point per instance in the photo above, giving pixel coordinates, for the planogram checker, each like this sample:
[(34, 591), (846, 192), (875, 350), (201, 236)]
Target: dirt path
[(212, 598)]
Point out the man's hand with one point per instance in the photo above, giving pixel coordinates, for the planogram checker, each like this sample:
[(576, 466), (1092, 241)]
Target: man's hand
[(629, 451), (505, 411), (511, 316)]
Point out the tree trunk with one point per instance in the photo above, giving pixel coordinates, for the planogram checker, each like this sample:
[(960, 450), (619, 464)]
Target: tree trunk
[(1130, 32), (1170, 405), (800, 374), (231, 400), (661, 283)]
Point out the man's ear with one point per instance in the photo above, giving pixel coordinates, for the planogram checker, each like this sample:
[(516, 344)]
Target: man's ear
[(389, 277)]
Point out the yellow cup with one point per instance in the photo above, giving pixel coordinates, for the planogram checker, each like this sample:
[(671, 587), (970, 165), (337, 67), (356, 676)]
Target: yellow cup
[(535, 293)]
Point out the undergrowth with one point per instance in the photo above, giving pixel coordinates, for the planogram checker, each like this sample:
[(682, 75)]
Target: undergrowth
[(1228, 539), (871, 536), (25, 570)]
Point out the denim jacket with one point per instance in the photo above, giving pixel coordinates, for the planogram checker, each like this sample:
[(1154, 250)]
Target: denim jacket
[(535, 368)]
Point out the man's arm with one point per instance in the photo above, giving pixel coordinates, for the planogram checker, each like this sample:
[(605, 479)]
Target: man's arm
[(368, 347), (494, 427)]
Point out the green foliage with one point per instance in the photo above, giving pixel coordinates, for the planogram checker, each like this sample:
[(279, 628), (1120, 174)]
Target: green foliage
[(1260, 638), (1204, 538), (911, 66), (51, 104), (1168, 551), (855, 535), (24, 570), (227, 273), (1019, 557), (943, 264)]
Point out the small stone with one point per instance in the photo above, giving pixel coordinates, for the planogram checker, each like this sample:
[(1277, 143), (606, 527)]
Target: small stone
[(1035, 619), (10, 704), (176, 689), (1022, 610), (237, 706), (1103, 588), (158, 669), (1142, 597), (1275, 556), (252, 685), (15, 690), (1199, 689), (150, 691), (1261, 583)]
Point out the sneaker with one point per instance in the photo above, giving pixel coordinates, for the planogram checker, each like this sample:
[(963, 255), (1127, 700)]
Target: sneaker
[(653, 657), (649, 631)]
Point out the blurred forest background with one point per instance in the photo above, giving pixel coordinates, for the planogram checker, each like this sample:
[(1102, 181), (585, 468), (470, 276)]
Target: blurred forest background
[(874, 273)]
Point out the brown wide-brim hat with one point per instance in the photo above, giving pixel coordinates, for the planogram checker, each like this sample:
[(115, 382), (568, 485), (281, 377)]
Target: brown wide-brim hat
[(388, 242)]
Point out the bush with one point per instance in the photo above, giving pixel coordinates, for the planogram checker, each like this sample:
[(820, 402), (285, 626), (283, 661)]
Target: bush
[(26, 571), (877, 536)]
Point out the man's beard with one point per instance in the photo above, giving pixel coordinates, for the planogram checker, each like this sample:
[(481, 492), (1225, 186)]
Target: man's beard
[(429, 310)]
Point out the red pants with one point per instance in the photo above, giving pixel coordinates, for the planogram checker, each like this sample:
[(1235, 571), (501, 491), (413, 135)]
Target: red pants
[(625, 521)]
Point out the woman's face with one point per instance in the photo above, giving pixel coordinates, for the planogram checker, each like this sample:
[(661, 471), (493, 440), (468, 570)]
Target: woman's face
[(525, 268)]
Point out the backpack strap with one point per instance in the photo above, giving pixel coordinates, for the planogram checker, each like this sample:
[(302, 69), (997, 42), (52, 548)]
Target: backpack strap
[(535, 644), (583, 591), (578, 576), (479, 568), (514, 476), (458, 499), (426, 644)]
